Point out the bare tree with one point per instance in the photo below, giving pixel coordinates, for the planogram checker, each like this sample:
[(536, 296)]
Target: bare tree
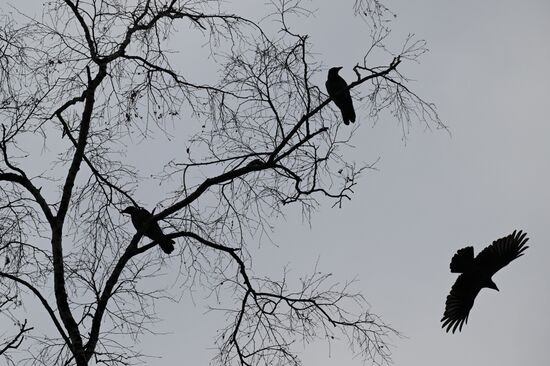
[(88, 83)]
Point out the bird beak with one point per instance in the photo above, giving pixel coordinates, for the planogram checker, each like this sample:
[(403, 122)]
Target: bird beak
[(491, 284)]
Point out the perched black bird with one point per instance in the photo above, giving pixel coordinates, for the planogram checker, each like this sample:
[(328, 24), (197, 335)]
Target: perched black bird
[(144, 223), (476, 274), (337, 90)]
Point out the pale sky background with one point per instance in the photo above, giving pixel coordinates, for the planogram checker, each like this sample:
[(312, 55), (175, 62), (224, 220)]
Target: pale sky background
[(487, 72)]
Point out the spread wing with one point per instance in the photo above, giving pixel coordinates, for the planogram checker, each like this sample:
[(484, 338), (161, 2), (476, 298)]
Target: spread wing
[(502, 252), (462, 260), (460, 301)]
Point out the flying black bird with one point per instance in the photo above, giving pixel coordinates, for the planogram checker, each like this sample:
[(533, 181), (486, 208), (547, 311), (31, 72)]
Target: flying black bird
[(337, 90), (476, 274), (144, 223)]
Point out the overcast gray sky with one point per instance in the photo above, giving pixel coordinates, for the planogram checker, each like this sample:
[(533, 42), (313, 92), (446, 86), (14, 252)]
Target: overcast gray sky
[(487, 72)]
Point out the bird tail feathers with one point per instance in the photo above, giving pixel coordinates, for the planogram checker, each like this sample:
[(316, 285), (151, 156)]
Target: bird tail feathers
[(167, 245), (462, 260), (348, 116)]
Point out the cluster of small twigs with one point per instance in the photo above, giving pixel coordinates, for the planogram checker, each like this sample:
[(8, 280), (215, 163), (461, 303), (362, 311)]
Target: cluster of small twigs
[(82, 84)]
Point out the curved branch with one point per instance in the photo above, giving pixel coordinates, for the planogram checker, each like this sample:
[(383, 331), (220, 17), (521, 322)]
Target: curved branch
[(57, 228), (81, 145), (44, 303), (35, 192), (107, 293), (87, 35), (177, 78)]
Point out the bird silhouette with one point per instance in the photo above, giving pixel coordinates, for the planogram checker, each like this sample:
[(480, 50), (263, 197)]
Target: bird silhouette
[(144, 223), (337, 89), (476, 274)]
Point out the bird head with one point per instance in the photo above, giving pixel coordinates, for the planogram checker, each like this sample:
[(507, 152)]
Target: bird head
[(334, 71), (491, 284), (129, 210)]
